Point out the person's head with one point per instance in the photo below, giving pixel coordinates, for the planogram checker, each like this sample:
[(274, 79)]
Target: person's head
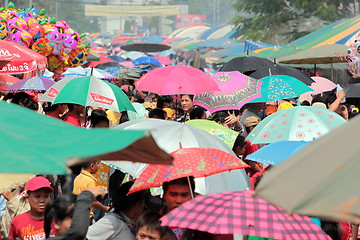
[(198, 113), (157, 113), (187, 102), (91, 166), (270, 109), (128, 203), (20, 97), (258, 106), (76, 109), (305, 103), (250, 123), (239, 145), (59, 107), (164, 101), (330, 98), (169, 113), (59, 214), (148, 227), (98, 119), (220, 117), (38, 190), (177, 192)]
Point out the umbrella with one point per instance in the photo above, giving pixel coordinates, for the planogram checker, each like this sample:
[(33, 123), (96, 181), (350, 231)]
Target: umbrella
[(282, 70), (353, 91), (321, 85), (169, 135), (43, 145), (276, 152), (6, 81), (224, 133), (197, 162), (13, 180), (177, 79), (127, 64), (302, 123), (164, 60), (277, 87), (146, 47), (34, 84), (134, 55), (116, 58), (146, 60), (327, 169), (88, 91), (241, 213), (236, 89), (246, 64), (20, 58), (107, 65)]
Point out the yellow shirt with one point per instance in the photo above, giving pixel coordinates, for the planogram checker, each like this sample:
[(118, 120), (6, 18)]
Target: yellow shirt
[(82, 181)]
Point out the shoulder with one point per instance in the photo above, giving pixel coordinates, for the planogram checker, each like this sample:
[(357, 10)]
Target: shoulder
[(21, 217)]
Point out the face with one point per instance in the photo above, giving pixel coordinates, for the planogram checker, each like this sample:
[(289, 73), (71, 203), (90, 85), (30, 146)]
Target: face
[(94, 167), (62, 226), (38, 199), (186, 103), (177, 195), (146, 233)]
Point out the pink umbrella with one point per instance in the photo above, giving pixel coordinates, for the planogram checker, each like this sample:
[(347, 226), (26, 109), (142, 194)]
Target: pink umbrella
[(127, 64), (164, 60), (321, 85), (176, 79), (236, 89)]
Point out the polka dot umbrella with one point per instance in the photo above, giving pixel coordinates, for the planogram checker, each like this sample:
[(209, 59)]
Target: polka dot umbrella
[(302, 123)]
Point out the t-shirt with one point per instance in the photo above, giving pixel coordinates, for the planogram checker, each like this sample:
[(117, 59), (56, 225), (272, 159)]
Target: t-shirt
[(81, 182), (72, 119), (25, 227), (250, 148)]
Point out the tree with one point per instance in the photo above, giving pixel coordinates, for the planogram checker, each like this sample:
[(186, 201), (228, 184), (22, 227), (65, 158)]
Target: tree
[(278, 21)]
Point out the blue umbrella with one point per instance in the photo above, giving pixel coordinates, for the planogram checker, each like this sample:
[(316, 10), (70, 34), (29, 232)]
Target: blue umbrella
[(146, 60), (117, 58), (275, 153)]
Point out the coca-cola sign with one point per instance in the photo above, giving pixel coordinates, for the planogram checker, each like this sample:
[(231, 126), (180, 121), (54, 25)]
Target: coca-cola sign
[(6, 55), (53, 92), (101, 99)]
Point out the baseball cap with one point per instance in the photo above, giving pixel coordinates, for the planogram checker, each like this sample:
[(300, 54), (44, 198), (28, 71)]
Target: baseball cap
[(285, 105), (251, 121), (38, 182), (319, 104)]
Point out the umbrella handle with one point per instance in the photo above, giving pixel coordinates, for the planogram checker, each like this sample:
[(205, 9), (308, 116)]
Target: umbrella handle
[(191, 190)]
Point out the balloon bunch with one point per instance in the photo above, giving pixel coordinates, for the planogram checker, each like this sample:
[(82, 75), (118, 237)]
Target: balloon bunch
[(51, 38), (354, 57)]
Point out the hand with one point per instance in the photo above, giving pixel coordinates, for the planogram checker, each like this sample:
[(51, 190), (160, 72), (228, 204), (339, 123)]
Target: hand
[(96, 191), (340, 95), (231, 119)]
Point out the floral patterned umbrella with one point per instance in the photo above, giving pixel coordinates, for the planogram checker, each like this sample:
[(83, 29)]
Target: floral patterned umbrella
[(296, 124), (197, 162), (34, 84), (236, 89)]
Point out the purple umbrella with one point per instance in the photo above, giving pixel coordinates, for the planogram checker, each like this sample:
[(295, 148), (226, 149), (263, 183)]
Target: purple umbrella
[(34, 84)]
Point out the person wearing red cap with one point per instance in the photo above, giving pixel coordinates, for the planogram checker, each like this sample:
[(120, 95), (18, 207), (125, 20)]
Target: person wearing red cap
[(30, 225)]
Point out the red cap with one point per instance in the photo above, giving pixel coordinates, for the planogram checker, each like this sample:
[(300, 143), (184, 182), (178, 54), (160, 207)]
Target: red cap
[(38, 182)]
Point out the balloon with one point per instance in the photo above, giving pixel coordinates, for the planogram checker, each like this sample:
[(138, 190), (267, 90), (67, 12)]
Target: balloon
[(55, 35), (4, 32), (42, 18), (43, 46), (36, 31), (20, 36), (78, 56), (54, 63), (15, 20)]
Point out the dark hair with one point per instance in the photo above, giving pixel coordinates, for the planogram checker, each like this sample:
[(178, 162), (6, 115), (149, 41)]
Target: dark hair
[(330, 98), (197, 113), (220, 116), (180, 181), (191, 234), (29, 104), (190, 96), (97, 116), (244, 107), (163, 99), (48, 107), (151, 220), (20, 97), (89, 162), (305, 103), (59, 209), (157, 113), (70, 106), (332, 229), (121, 201), (240, 141), (318, 98)]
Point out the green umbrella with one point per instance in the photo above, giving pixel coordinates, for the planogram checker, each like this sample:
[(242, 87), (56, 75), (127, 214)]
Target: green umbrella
[(301, 123), (277, 87), (34, 143), (225, 134), (88, 91)]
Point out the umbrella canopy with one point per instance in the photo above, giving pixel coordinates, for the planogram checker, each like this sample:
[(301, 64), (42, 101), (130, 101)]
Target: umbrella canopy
[(302, 123), (6, 81), (330, 163), (282, 70), (241, 213), (277, 87), (107, 65), (146, 60), (353, 91), (42, 144), (246, 64), (224, 133), (170, 135), (117, 58), (177, 79), (20, 58), (164, 60), (13, 180), (321, 85), (34, 84), (196, 162), (88, 91), (276, 152), (329, 53), (235, 90), (146, 47)]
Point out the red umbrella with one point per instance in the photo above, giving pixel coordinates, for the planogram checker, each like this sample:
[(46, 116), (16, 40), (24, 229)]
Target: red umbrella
[(244, 214), (178, 79), (20, 58), (197, 162), (6, 81)]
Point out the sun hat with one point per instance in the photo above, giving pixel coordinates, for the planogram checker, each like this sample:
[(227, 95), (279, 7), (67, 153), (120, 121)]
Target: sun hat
[(251, 121), (36, 183), (285, 105)]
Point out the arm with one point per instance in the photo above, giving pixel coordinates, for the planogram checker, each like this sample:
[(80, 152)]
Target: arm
[(98, 205), (354, 231), (339, 96), (253, 165)]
